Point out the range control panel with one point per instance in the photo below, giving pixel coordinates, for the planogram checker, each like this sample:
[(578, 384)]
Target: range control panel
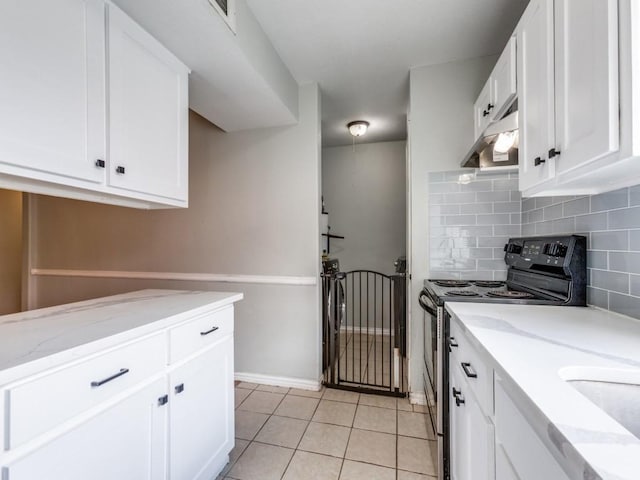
[(534, 252)]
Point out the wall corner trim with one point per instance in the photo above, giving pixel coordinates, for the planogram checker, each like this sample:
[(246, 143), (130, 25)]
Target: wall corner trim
[(197, 277)]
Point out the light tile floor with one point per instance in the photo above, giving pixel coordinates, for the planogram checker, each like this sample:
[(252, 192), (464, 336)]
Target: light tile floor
[(289, 434)]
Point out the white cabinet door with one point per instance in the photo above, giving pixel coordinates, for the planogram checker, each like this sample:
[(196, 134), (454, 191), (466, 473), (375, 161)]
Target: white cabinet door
[(503, 77), (52, 92), (504, 469), (586, 78), (125, 441), (148, 112), (202, 420), (536, 93), (482, 109)]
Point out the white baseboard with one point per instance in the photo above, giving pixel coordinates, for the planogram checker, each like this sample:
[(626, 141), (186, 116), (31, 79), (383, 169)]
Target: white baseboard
[(417, 398), (301, 383), (365, 330)]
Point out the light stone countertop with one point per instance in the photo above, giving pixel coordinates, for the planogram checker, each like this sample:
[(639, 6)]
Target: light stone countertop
[(534, 347), (34, 340)]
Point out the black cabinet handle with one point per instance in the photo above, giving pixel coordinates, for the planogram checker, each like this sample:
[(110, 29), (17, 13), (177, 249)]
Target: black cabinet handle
[(489, 106), (538, 161), (120, 169), (209, 331), (99, 383), (179, 388), (469, 372), (553, 152), (100, 163), (485, 113), (452, 343), (163, 400), (457, 394)]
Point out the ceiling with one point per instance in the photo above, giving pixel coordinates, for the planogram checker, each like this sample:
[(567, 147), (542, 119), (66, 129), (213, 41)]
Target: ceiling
[(360, 51)]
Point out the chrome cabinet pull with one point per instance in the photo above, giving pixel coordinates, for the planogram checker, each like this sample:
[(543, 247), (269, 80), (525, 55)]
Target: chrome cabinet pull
[(163, 400), (469, 372), (108, 379), (179, 388), (209, 331)]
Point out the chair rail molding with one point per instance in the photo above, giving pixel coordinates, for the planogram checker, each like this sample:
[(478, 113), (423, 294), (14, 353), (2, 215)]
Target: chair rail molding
[(197, 277)]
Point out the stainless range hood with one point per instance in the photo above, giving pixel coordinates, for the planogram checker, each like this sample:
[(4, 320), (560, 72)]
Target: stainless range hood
[(482, 155)]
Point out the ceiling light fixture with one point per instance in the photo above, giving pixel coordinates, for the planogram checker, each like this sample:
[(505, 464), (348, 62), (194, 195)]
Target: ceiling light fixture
[(357, 128)]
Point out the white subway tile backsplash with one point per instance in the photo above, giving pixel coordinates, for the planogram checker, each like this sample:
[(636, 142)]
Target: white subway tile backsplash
[(624, 262), (634, 195), (613, 240), (507, 207), (610, 200), (591, 222), (495, 219), (613, 233), (624, 304), (597, 259), (507, 230), (579, 206), (553, 212), (634, 240), (493, 196), (470, 226), (612, 281), (598, 297), (624, 218), (477, 208)]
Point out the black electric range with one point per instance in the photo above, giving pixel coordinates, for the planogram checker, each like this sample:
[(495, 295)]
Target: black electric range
[(540, 271)]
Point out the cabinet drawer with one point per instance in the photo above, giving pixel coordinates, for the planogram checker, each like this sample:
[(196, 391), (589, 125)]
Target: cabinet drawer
[(473, 367), (36, 405), (198, 333)]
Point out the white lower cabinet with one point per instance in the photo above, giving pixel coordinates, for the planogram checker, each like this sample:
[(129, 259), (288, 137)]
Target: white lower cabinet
[(123, 441), (489, 437), (155, 408), (523, 455), (471, 441), (201, 413)]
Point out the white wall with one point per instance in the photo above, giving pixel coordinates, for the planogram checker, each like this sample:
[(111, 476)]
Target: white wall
[(365, 194), (440, 133), (10, 251), (254, 210)]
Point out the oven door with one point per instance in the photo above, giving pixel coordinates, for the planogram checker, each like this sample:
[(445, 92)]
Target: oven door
[(430, 346)]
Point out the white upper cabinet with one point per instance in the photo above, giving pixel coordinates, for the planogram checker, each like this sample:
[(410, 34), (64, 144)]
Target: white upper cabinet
[(503, 78), (590, 143), (52, 89), (498, 93), (482, 109), (535, 93), (148, 112), (586, 78), (77, 122)]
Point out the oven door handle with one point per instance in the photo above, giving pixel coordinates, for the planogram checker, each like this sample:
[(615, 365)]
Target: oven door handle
[(424, 301)]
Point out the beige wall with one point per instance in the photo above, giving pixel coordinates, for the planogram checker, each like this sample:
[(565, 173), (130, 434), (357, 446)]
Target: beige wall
[(365, 194), (253, 210), (440, 133), (10, 251)]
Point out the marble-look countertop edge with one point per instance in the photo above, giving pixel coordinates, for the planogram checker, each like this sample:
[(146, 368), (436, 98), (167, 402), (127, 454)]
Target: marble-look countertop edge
[(53, 360), (577, 465)]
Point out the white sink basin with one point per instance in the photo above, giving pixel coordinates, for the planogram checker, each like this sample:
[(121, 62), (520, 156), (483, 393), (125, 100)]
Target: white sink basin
[(615, 391)]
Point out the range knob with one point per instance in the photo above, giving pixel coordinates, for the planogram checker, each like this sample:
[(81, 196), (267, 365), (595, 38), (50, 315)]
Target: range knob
[(513, 248), (555, 250)]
